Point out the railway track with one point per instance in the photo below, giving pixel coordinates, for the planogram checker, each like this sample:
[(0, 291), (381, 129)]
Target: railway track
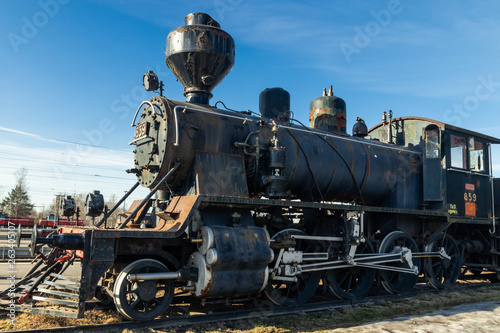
[(181, 318)]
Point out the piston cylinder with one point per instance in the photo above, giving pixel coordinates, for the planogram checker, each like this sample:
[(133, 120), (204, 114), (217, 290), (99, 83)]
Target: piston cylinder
[(231, 261)]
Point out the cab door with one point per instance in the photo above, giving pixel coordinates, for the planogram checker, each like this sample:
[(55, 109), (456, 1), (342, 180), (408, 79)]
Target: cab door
[(432, 168), (477, 189)]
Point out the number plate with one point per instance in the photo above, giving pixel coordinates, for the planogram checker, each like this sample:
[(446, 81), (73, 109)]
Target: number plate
[(141, 130), (470, 209)]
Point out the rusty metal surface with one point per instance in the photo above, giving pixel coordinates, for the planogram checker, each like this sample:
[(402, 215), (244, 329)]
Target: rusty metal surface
[(137, 219), (334, 169), (74, 230), (220, 174), (328, 112), (239, 257), (317, 166), (260, 204), (200, 55), (150, 151), (161, 183), (177, 215)]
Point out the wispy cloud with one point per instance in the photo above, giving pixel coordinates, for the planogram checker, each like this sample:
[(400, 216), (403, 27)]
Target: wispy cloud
[(56, 166), (64, 142), (14, 131)]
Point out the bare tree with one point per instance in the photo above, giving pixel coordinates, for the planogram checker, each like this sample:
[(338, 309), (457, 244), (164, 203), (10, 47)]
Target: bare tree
[(17, 203)]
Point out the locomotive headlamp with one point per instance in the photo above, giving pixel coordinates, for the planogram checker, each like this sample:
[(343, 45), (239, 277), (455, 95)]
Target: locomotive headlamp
[(150, 81)]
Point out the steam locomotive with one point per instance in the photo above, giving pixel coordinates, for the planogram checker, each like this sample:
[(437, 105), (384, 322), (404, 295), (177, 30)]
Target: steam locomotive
[(254, 205)]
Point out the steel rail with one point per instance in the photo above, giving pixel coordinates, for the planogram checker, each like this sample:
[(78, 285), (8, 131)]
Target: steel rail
[(249, 314)]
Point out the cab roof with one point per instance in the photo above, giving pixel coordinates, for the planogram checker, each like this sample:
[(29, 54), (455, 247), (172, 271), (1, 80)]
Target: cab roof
[(443, 126)]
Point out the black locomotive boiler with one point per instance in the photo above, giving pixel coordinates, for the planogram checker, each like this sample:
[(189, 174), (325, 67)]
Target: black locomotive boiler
[(259, 205)]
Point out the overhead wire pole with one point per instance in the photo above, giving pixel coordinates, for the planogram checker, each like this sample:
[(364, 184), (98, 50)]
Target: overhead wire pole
[(58, 205)]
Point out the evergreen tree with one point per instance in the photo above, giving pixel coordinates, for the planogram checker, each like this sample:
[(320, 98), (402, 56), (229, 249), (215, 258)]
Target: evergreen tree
[(17, 203)]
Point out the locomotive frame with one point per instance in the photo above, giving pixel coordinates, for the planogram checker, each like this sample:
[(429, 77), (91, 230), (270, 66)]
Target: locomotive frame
[(256, 205)]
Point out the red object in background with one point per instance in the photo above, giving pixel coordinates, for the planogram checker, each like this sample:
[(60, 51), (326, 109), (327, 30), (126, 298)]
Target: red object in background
[(29, 222)]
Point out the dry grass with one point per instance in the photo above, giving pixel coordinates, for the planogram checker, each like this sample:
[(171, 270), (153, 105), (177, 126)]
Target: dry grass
[(30, 321), (347, 317), (315, 322)]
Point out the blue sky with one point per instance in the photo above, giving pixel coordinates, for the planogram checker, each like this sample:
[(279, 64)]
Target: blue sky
[(71, 72)]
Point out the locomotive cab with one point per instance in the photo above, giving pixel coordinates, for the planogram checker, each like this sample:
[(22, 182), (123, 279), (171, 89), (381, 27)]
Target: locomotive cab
[(468, 175), (455, 165)]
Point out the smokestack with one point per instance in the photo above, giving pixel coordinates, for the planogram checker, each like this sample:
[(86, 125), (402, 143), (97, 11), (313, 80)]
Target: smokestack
[(200, 55)]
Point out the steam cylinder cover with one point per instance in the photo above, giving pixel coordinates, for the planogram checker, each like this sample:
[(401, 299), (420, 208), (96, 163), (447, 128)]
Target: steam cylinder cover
[(328, 113)]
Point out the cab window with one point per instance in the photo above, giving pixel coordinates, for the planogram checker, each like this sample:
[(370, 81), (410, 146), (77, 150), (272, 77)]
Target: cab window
[(458, 152), (476, 155), (432, 143)]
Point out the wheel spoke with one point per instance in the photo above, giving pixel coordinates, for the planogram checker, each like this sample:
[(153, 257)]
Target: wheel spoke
[(444, 272), (295, 293), (126, 295), (341, 282), (134, 303), (398, 282), (133, 291), (349, 284), (289, 288), (439, 272), (354, 282)]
